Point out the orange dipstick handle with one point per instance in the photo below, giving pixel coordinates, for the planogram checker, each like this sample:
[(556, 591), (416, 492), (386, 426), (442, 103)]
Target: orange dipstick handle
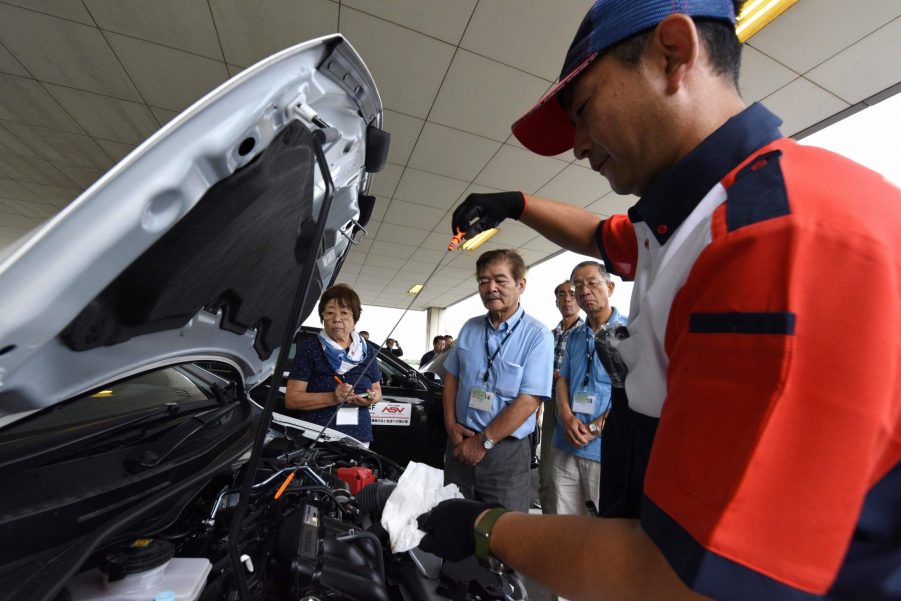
[(456, 240), (284, 485)]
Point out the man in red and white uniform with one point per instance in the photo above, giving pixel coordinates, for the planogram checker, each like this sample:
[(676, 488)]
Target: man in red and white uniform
[(764, 332)]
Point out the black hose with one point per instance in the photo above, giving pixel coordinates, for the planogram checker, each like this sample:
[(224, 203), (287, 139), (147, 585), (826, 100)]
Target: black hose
[(372, 538)]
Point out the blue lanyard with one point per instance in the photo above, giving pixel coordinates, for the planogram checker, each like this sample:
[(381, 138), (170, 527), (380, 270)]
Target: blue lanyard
[(589, 335), (488, 354)]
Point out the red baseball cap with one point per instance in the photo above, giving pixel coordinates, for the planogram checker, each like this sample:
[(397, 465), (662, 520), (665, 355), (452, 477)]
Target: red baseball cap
[(546, 128)]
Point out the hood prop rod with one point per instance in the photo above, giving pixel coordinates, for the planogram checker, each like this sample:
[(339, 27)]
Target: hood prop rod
[(303, 287)]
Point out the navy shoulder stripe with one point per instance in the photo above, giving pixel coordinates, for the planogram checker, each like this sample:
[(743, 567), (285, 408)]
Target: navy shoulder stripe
[(758, 192)]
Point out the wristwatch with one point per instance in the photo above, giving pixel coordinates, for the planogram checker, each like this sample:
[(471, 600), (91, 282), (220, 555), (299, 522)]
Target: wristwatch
[(487, 443), (482, 530), (593, 428)]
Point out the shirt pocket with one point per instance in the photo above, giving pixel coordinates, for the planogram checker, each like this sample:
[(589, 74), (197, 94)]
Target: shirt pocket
[(509, 379)]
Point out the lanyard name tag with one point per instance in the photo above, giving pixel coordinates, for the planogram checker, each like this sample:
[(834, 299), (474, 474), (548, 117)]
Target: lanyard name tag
[(481, 399), (348, 416), (584, 403)]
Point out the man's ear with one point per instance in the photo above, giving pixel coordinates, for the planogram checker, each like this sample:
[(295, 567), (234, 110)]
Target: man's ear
[(522, 285), (676, 40)]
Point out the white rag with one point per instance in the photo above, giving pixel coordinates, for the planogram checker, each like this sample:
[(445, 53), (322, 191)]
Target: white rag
[(418, 490)]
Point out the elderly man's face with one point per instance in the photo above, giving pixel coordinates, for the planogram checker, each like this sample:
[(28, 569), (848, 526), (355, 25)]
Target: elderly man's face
[(566, 300), (499, 290), (592, 290)]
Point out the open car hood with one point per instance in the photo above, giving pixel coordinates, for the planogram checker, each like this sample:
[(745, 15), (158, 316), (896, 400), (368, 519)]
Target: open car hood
[(193, 246)]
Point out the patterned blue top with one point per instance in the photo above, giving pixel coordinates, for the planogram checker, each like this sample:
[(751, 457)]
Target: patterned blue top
[(574, 367), (522, 366), (311, 366)]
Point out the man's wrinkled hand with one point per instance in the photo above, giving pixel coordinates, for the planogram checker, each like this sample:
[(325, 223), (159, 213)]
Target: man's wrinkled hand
[(449, 528), (458, 432), (480, 212), (577, 434), (469, 451)]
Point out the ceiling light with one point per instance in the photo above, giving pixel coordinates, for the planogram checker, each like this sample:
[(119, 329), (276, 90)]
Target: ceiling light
[(415, 289), (102, 393), (479, 239), (757, 14)]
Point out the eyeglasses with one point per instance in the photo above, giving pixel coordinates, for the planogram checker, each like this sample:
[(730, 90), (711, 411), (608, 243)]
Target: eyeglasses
[(590, 284)]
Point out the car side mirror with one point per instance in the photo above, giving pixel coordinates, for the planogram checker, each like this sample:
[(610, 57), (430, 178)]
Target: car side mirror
[(433, 376)]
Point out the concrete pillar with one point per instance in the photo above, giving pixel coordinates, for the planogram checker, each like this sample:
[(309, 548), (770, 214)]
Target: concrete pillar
[(434, 324)]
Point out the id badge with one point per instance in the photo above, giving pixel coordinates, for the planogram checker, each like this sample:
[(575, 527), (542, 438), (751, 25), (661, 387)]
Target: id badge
[(348, 416), (481, 399), (584, 403)]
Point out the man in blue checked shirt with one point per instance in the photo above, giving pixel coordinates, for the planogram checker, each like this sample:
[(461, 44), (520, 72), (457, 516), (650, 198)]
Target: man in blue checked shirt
[(497, 375), (583, 394)]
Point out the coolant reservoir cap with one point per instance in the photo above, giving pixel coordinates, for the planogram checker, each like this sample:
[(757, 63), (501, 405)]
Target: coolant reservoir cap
[(137, 556)]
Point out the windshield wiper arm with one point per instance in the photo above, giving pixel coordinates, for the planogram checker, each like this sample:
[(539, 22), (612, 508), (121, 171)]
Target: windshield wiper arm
[(180, 434)]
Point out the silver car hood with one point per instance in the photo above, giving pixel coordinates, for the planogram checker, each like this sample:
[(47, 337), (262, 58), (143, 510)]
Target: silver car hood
[(194, 245)]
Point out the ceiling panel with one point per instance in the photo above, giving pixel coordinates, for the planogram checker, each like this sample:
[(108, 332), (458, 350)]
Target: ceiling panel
[(401, 234), (193, 30), (63, 52), (512, 234), (150, 67), (116, 150), (83, 176), (801, 103), (407, 65), (385, 181), (62, 147), (452, 152), (106, 117), (761, 75), (404, 133), (10, 65), (26, 101), (429, 189), (507, 31), (84, 87), (418, 266), (250, 31), (475, 96), (32, 170), (66, 9), (575, 185), (414, 215), (391, 250), (11, 144), (380, 208), (12, 189), (35, 210), (162, 115), (810, 32), (513, 168), (55, 195), (612, 204), (869, 66), (443, 19)]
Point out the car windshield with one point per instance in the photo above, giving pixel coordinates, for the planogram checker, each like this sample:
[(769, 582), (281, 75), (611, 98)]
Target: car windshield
[(130, 397)]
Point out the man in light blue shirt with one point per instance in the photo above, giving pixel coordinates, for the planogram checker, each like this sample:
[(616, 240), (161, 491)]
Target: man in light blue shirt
[(497, 375), (583, 394)]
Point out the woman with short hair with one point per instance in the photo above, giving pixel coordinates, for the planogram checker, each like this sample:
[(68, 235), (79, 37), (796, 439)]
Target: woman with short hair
[(333, 372)]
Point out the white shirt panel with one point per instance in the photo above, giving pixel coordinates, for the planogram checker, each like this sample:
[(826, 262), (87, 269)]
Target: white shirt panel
[(660, 273)]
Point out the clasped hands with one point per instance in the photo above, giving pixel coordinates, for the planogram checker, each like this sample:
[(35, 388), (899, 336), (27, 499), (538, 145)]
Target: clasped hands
[(344, 393), (468, 448)]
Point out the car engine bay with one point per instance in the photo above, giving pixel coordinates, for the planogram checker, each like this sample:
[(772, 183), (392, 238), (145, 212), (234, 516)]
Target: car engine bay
[(311, 531)]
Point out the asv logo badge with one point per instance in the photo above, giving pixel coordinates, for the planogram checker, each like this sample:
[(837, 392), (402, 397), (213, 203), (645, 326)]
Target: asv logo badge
[(386, 413)]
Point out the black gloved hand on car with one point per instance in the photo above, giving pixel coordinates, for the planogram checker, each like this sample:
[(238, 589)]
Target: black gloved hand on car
[(450, 527), (480, 212)]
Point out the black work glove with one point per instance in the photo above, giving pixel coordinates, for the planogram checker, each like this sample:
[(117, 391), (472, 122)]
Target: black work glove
[(449, 528), (480, 212)]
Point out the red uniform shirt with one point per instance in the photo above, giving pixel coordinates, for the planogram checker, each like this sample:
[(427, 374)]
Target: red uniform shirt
[(768, 339)]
